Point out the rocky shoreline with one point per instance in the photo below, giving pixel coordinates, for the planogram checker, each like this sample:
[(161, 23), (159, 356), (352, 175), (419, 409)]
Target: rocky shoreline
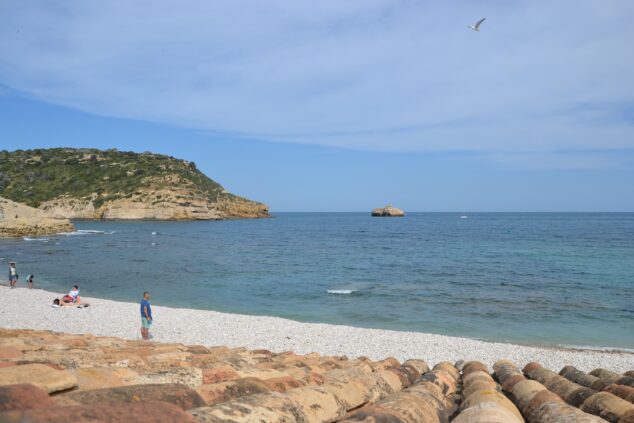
[(162, 206), (18, 220)]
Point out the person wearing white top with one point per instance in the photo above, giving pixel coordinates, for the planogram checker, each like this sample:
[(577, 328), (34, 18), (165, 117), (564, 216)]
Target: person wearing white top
[(13, 275), (72, 296), (74, 292)]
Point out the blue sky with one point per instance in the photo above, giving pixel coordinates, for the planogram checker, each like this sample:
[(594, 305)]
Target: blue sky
[(340, 106)]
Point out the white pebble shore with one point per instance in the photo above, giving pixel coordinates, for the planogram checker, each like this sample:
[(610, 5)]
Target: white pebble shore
[(31, 309)]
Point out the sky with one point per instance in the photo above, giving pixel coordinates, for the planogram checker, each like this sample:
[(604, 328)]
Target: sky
[(340, 106)]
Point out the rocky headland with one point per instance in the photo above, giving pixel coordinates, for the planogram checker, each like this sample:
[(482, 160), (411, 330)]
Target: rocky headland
[(18, 220), (388, 211), (113, 185)]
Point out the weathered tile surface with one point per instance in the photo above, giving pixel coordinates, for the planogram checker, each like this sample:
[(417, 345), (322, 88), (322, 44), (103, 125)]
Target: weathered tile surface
[(23, 396), (53, 377), (39, 375)]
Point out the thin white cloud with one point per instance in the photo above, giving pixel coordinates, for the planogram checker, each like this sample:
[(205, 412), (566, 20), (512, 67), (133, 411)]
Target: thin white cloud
[(592, 160), (371, 74)]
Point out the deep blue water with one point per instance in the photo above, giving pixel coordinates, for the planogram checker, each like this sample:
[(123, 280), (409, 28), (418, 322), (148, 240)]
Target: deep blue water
[(537, 278)]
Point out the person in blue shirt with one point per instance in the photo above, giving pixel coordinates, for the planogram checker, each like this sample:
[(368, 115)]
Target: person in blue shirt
[(146, 316)]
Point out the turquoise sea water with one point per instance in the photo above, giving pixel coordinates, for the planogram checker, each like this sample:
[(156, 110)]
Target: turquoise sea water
[(536, 278)]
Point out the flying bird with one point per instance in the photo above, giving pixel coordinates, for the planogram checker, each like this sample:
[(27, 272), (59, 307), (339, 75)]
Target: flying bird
[(476, 26)]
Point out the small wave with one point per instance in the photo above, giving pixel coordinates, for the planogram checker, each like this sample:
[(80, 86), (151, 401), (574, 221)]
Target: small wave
[(595, 348), (94, 232), (341, 291), (26, 238), (464, 217), (86, 232), (154, 233)]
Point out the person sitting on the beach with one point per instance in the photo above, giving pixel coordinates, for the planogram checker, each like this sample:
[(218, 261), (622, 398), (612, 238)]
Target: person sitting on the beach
[(74, 293), (72, 296)]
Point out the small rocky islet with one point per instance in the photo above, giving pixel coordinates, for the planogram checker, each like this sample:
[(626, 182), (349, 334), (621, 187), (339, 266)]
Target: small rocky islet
[(388, 211), (56, 377)]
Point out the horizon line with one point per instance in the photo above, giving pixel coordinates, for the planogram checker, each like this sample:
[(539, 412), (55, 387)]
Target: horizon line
[(456, 212)]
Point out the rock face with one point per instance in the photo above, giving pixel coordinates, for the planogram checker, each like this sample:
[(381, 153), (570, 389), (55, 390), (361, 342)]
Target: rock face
[(18, 220), (147, 206), (113, 185), (388, 211)]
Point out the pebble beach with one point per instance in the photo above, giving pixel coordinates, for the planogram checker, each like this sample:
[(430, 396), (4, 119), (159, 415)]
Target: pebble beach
[(31, 309)]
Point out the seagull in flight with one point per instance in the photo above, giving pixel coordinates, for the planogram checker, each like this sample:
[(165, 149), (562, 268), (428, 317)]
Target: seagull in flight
[(476, 26)]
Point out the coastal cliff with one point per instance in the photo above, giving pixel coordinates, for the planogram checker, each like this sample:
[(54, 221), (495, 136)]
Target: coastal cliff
[(95, 184), (18, 220)]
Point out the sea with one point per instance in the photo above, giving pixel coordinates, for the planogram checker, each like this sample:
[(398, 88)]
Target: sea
[(563, 279)]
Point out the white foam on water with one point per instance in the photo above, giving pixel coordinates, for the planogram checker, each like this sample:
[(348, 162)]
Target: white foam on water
[(86, 232), (154, 233), (594, 348), (26, 238), (341, 291), (464, 217), (75, 233), (94, 232)]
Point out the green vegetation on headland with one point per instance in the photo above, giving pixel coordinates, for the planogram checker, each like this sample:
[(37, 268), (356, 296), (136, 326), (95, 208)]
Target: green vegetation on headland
[(34, 176), (106, 177)]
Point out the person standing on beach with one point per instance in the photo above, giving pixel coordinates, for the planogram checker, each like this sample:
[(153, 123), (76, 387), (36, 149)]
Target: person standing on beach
[(29, 281), (146, 316), (13, 275)]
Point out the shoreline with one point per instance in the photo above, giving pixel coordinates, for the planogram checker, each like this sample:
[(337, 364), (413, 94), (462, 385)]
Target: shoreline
[(539, 345), (31, 309)]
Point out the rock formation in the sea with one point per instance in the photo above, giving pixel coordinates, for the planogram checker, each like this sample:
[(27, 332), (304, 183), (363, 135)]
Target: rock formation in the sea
[(18, 220), (388, 211), (54, 377), (96, 184)]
